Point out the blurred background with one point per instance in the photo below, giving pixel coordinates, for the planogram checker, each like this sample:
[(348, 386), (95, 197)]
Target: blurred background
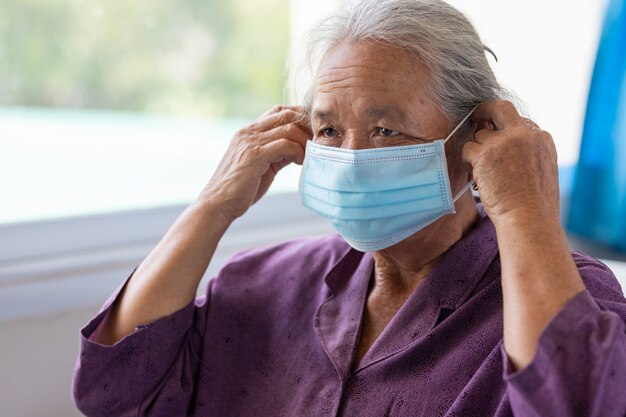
[(113, 116)]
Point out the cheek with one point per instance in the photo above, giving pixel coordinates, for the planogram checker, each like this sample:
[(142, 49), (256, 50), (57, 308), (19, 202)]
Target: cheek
[(458, 173), (321, 140), (456, 166)]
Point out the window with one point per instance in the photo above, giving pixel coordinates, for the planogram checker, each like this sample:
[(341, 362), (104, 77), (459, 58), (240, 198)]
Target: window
[(113, 116), (110, 105)]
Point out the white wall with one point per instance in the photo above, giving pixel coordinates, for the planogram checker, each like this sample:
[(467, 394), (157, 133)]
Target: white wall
[(37, 363), (546, 52)]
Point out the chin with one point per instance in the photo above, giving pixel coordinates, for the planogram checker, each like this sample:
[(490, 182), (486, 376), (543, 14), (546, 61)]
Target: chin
[(441, 233)]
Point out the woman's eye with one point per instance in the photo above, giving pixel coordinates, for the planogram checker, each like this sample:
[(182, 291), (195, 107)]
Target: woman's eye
[(387, 132), (329, 132)]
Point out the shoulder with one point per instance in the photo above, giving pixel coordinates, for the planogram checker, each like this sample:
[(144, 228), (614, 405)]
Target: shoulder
[(301, 263), (318, 251), (598, 278)]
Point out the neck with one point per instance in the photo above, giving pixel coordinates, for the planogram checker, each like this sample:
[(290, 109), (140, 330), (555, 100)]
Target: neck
[(401, 268)]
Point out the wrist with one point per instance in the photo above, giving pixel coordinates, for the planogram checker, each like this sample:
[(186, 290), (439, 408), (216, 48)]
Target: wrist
[(212, 210), (535, 232), (527, 219)]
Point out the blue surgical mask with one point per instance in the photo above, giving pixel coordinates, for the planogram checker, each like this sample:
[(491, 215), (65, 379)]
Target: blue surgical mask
[(378, 197)]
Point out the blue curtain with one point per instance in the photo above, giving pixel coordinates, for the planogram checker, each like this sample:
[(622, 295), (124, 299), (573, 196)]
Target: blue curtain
[(598, 199)]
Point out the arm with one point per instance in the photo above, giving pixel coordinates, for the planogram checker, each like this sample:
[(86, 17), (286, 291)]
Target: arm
[(538, 278), (168, 278), (139, 355), (564, 353), (579, 367), (514, 165)]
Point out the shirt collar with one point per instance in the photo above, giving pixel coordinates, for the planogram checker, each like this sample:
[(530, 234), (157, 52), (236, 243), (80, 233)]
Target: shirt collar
[(448, 285)]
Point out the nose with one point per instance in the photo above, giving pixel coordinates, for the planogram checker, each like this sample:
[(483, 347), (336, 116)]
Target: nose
[(355, 141)]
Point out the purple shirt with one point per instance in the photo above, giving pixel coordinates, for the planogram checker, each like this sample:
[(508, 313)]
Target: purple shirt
[(276, 335)]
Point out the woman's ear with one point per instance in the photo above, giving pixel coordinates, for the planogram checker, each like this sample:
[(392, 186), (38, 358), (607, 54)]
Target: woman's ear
[(484, 124), (465, 166)]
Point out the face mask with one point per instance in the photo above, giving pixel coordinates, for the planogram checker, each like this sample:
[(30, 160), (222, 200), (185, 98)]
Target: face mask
[(378, 197)]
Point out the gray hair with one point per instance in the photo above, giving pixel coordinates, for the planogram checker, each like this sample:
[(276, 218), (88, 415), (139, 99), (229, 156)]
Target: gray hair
[(437, 34)]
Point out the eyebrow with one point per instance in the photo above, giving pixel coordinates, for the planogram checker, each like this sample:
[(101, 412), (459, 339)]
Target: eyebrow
[(379, 112), (323, 115), (386, 112)]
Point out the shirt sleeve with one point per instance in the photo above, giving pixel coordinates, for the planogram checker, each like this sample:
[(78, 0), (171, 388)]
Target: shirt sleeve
[(579, 368), (150, 372)]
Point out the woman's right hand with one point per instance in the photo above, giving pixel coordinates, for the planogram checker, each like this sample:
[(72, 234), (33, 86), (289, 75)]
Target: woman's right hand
[(167, 280), (254, 156)]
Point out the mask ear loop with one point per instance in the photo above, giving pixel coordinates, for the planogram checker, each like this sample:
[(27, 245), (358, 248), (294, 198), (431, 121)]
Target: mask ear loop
[(467, 116), (463, 190), (472, 182)]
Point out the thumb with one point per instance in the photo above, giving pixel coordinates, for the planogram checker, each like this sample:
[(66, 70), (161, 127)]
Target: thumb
[(471, 152), (283, 150)]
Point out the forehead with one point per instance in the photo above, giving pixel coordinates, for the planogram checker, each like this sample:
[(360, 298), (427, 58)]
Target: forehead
[(370, 56), (374, 74)]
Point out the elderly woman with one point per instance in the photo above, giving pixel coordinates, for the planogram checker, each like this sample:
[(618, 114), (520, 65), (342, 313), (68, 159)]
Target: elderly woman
[(425, 304)]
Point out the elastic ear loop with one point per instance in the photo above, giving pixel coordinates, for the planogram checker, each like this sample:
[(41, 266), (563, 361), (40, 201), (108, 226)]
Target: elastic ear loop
[(472, 182), (463, 190)]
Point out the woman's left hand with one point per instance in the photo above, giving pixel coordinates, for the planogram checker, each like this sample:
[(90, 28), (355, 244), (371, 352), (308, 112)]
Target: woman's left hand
[(514, 164)]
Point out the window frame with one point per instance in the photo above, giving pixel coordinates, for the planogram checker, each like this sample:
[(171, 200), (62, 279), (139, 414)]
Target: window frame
[(64, 264)]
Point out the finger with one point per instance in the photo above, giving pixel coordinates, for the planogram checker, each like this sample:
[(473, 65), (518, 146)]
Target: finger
[(283, 150), (530, 124), (280, 165), (290, 131), (501, 113), (283, 116), (281, 107), (471, 152), (484, 135), (272, 110)]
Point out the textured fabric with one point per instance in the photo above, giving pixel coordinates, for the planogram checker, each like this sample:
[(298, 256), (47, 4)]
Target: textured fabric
[(276, 335)]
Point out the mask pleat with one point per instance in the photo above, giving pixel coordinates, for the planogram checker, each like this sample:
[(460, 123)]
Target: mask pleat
[(377, 197)]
